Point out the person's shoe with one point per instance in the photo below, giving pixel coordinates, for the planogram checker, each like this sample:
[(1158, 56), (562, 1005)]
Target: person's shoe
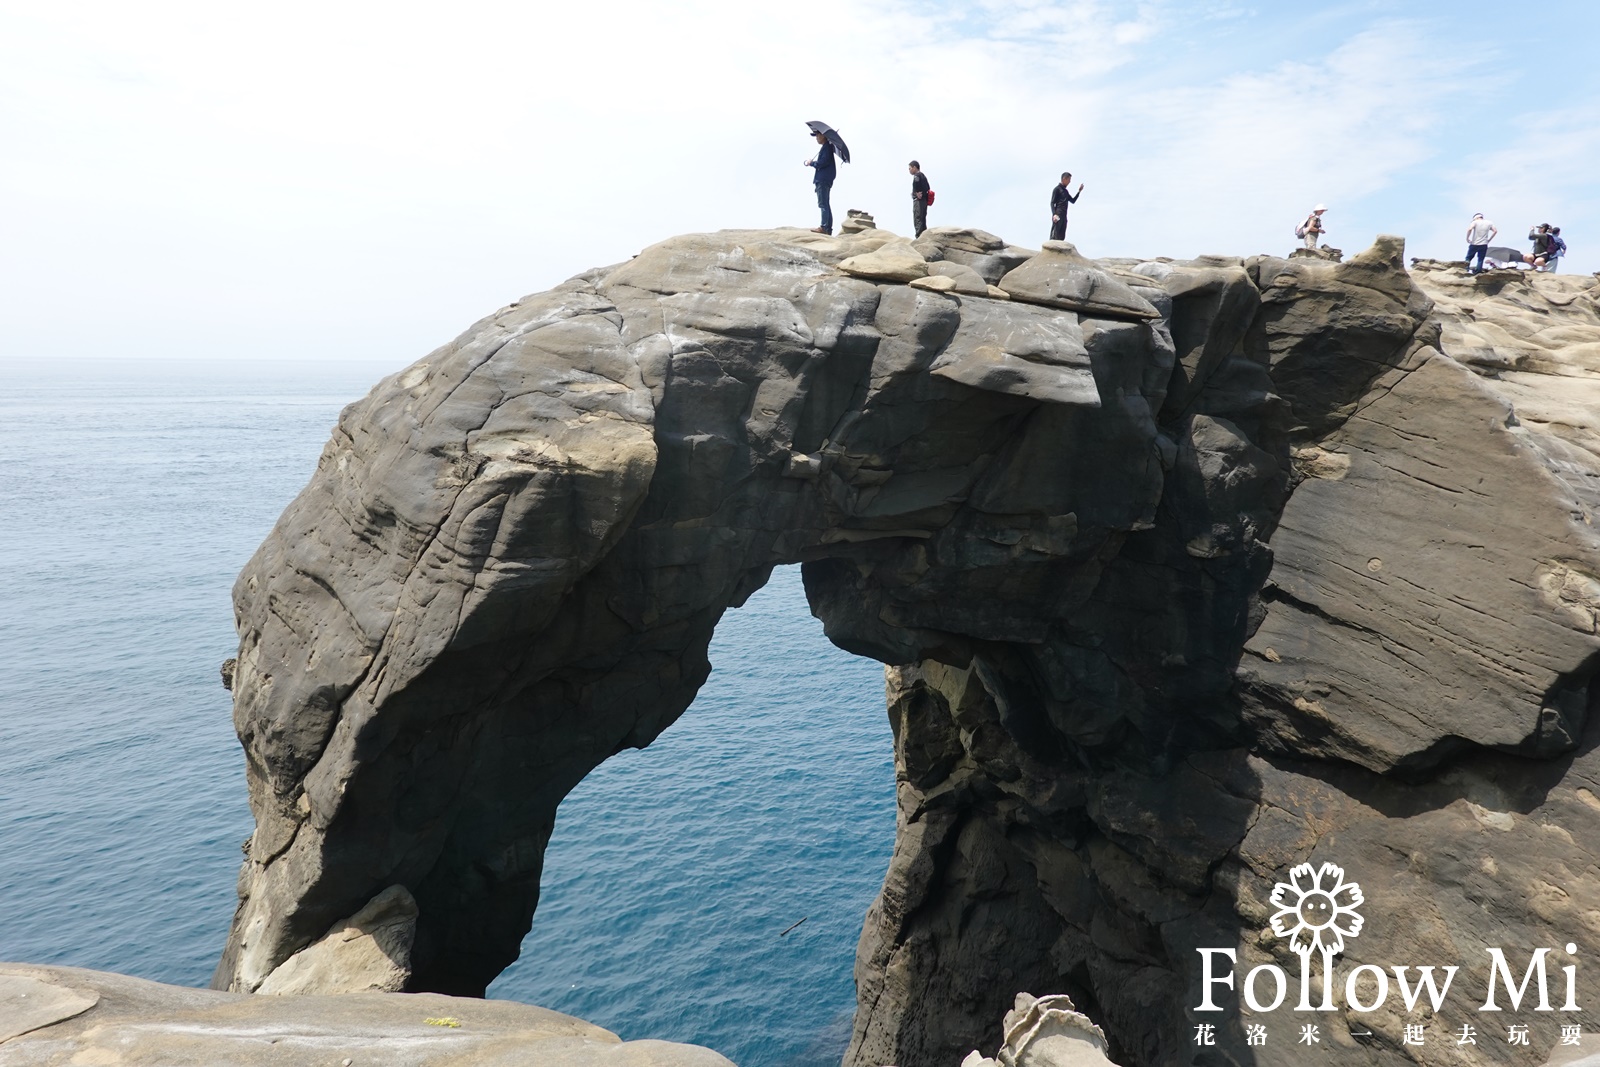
[(819, 229)]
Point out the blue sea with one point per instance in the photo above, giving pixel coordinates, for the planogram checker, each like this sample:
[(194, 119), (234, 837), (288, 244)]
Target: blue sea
[(132, 492)]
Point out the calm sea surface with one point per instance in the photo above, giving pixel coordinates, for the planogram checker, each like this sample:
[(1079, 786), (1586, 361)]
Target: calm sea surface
[(131, 493)]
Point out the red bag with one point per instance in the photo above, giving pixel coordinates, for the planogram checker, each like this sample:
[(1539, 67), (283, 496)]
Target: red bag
[(930, 198)]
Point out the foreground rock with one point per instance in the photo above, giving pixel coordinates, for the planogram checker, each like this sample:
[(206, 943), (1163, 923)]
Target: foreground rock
[(89, 1017), (1045, 1032), (1186, 574)]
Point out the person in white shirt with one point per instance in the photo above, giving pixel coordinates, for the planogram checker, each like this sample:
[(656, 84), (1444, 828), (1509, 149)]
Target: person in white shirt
[(1312, 229), (1479, 233)]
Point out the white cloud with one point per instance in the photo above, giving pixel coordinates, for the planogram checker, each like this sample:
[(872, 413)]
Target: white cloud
[(365, 179), (1232, 165)]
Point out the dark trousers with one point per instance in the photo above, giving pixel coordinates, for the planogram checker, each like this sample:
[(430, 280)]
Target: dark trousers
[(823, 194), (1476, 250), (1058, 229), (919, 215)]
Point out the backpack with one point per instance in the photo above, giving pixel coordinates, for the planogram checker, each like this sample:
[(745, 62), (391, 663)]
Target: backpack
[(929, 198), (1300, 230)]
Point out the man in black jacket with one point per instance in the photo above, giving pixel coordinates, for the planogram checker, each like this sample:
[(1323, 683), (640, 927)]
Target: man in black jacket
[(919, 198), (1060, 197), (826, 171)]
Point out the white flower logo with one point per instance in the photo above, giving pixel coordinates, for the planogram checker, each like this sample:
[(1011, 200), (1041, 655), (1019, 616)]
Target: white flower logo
[(1317, 910)]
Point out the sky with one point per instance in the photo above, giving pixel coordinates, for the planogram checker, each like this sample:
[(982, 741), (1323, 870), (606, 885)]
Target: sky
[(352, 180)]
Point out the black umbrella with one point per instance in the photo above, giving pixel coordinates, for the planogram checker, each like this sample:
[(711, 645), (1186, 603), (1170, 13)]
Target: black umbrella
[(833, 138)]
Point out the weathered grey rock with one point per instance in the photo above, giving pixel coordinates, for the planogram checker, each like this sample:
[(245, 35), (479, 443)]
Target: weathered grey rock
[(1236, 571), (1534, 341), (1025, 353), (897, 262), (965, 279), (29, 1002), (964, 239), (1059, 277), (1324, 374), (1476, 480), (978, 250), (934, 283), (134, 1023), (1212, 306), (370, 952), (1325, 253), (1436, 561)]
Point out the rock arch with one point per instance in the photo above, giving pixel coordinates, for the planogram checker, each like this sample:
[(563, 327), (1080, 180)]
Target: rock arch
[(1045, 491)]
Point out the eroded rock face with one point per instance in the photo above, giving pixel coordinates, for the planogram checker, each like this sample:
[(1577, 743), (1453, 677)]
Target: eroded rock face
[(1414, 697), (370, 952), (1185, 573)]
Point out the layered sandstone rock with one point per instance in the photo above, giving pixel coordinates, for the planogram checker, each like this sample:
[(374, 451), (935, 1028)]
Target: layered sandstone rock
[(1185, 574), (55, 1016)]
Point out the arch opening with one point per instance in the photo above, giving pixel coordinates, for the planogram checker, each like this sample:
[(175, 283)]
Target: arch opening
[(674, 870)]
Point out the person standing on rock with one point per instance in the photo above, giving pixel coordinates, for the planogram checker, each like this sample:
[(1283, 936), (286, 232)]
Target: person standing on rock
[(1060, 199), (1479, 233), (920, 195), (826, 171), (1312, 229)]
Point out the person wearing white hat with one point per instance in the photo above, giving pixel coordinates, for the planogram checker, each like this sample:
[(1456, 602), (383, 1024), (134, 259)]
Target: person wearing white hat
[(1312, 228)]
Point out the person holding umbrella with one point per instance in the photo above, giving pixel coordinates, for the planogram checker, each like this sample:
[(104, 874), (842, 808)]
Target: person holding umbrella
[(825, 169)]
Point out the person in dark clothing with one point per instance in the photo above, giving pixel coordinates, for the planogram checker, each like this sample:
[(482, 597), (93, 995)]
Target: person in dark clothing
[(826, 170), (1060, 197), (1540, 236), (919, 198)]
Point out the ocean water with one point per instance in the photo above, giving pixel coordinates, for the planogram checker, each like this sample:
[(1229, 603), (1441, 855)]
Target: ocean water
[(130, 495)]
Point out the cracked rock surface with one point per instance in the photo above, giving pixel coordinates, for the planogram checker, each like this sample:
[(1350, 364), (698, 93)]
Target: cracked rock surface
[(94, 1018), (1184, 573)]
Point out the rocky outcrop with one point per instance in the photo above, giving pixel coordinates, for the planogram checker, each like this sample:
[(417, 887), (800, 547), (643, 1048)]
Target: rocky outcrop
[(1534, 342), (52, 1016), (1185, 574), (370, 952)]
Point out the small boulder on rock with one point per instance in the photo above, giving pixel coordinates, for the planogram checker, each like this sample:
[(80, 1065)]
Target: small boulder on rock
[(965, 279), (894, 262), (856, 220), (1059, 277)]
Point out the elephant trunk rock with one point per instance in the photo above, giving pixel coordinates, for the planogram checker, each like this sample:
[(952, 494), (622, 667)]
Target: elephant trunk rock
[(1179, 571)]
